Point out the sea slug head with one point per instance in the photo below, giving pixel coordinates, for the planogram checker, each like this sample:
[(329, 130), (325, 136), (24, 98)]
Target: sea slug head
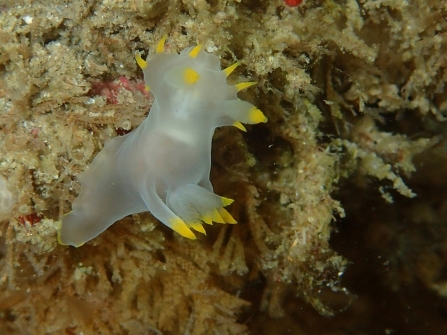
[(192, 82)]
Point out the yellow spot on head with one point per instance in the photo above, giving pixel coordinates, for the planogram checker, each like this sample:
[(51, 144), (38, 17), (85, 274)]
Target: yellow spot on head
[(256, 116), (244, 85), (147, 88), (231, 68), (194, 52), (190, 76), (161, 44), (239, 125), (180, 227), (140, 61)]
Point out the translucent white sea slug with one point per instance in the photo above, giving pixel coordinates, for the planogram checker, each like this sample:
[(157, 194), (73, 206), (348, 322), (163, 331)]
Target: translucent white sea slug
[(164, 165)]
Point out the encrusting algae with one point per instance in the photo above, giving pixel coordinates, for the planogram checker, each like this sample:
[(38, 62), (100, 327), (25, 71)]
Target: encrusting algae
[(353, 91)]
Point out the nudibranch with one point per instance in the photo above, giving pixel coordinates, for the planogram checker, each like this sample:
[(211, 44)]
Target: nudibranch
[(163, 166)]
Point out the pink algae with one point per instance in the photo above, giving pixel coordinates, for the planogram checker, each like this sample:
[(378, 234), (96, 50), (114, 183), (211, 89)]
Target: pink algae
[(111, 89)]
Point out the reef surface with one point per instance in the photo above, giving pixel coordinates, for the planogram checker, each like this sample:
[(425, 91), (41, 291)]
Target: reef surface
[(341, 197)]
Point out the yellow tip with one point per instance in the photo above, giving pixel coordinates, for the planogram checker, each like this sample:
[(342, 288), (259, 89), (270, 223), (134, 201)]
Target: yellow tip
[(207, 219), (161, 44), (198, 227), (226, 201), (226, 216), (180, 227), (140, 61), (256, 116), (147, 88), (244, 85), (194, 52), (216, 217), (231, 68), (239, 125), (190, 76)]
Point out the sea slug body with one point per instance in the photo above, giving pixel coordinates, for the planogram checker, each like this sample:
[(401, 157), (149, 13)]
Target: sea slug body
[(164, 165)]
